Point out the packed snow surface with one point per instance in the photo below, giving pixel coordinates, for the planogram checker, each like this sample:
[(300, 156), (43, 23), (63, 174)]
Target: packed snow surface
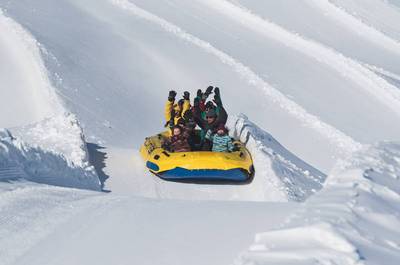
[(317, 80), (353, 220)]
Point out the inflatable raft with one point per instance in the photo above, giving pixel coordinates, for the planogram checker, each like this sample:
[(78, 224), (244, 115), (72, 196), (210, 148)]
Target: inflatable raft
[(197, 166)]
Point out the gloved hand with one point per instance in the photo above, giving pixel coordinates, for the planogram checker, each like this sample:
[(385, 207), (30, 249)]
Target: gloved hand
[(236, 148), (171, 95), (186, 95), (209, 90), (217, 97), (207, 93), (199, 93), (217, 100), (216, 91)]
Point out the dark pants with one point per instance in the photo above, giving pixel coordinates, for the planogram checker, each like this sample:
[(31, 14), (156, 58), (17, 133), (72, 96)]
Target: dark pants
[(207, 145)]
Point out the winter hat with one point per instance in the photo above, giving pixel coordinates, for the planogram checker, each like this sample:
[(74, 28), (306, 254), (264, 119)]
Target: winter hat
[(177, 127), (211, 113), (222, 127)]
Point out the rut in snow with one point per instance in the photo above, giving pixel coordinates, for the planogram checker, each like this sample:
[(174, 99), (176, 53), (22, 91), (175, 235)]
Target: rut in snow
[(378, 87), (356, 25), (343, 141)]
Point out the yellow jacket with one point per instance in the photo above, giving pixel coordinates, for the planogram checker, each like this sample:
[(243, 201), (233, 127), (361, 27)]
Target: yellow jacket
[(169, 106)]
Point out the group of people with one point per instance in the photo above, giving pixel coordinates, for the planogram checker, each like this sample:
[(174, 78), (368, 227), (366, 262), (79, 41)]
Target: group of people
[(182, 118)]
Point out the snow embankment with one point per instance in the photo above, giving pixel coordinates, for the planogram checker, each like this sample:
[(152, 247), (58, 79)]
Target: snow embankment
[(54, 153), (278, 171), (26, 93), (354, 219)]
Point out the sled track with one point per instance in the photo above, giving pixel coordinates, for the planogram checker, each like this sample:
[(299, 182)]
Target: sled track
[(343, 141), (358, 26), (388, 94)]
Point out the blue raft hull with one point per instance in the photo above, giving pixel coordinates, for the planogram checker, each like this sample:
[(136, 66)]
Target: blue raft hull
[(206, 175)]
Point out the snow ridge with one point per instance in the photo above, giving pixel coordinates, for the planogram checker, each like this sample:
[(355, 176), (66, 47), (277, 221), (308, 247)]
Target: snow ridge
[(366, 79), (61, 161), (24, 75), (356, 25), (276, 167), (354, 218), (343, 141)]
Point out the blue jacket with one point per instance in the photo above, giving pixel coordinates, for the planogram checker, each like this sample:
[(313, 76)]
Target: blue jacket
[(220, 143)]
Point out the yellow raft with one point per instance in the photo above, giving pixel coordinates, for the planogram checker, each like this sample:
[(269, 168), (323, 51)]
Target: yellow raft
[(197, 166)]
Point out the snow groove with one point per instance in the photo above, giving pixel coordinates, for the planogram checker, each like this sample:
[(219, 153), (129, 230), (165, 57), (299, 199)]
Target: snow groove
[(376, 86), (357, 25), (11, 172), (341, 140)]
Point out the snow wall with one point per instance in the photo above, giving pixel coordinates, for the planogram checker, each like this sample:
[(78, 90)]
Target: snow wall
[(353, 219), (54, 153), (282, 175)]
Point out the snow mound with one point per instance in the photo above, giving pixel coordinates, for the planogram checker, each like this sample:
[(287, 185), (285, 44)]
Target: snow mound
[(61, 134), (283, 171), (354, 218), (54, 153), (320, 243)]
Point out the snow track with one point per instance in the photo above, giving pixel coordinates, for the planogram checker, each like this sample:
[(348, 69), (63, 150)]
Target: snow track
[(325, 93), (358, 26), (280, 175), (30, 212), (362, 76), (337, 137)]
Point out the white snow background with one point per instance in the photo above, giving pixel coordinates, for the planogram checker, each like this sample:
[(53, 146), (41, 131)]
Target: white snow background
[(83, 82)]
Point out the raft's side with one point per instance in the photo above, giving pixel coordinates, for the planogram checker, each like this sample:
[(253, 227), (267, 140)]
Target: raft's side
[(159, 161)]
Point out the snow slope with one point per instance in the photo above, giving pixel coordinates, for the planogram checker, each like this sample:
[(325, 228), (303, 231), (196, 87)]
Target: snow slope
[(47, 225), (50, 147), (26, 94), (353, 220), (308, 85), (319, 78)]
